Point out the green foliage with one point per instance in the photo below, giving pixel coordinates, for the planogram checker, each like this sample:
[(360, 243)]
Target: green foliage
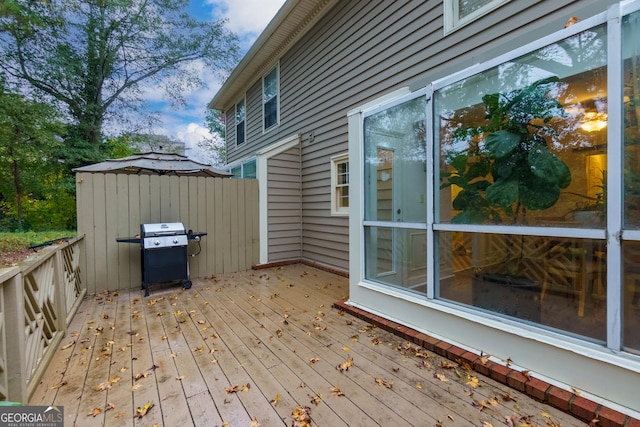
[(15, 241), (508, 168), (92, 57), (216, 145), (30, 138)]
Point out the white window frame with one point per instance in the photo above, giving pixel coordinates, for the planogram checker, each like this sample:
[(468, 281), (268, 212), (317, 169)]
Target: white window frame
[(451, 13), (242, 100), (336, 209), (277, 95)]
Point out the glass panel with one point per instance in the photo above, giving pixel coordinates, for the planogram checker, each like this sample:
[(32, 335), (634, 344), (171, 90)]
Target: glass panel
[(395, 163), (237, 172), (270, 85), (240, 115), (631, 65), (249, 169), (631, 296), (271, 112), (467, 7), (396, 256), (555, 282), (524, 143)]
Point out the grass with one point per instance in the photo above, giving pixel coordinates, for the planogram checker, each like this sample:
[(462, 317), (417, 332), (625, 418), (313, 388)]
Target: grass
[(16, 241)]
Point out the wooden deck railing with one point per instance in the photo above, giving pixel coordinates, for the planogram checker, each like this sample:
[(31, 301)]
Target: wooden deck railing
[(37, 301)]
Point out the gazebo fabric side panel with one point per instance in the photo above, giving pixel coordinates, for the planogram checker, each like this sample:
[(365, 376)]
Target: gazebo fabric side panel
[(114, 205)]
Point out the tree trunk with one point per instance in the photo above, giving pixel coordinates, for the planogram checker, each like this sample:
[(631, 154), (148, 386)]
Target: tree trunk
[(15, 171)]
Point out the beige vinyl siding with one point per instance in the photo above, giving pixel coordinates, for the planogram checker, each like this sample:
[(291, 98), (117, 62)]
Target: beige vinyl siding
[(284, 193), (359, 51)]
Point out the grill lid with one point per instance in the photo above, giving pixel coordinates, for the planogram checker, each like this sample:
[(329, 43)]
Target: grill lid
[(162, 229)]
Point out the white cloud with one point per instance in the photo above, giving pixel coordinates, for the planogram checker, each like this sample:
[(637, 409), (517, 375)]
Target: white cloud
[(246, 16)]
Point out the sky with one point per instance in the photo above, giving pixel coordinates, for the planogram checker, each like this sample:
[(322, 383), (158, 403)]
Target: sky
[(247, 18)]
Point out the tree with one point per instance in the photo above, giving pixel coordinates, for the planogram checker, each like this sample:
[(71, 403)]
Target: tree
[(216, 144), (93, 56), (30, 134)]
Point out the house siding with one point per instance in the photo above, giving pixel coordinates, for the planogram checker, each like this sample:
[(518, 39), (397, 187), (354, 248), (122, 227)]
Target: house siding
[(284, 193), (357, 52)]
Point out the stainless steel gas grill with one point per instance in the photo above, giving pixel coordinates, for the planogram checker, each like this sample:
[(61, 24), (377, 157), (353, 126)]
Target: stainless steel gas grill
[(164, 253)]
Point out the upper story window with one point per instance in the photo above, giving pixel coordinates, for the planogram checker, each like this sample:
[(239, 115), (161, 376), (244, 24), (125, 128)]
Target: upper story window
[(458, 13), (270, 95), (340, 185), (241, 113)]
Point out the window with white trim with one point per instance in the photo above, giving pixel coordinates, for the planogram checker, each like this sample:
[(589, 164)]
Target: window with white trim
[(458, 13), (340, 185), (241, 113), (270, 98)]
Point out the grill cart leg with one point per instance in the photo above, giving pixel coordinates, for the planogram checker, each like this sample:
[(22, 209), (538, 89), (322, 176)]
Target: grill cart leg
[(145, 286), (186, 284)]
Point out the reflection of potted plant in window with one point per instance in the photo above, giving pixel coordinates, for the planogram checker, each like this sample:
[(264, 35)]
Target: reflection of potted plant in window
[(510, 170)]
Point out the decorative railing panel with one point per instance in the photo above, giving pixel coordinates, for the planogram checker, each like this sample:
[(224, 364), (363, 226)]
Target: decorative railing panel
[(37, 301)]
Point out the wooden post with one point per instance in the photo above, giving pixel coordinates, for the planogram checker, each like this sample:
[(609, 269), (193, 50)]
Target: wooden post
[(14, 327)]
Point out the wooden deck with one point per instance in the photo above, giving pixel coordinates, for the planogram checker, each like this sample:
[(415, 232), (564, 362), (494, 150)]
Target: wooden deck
[(247, 349)]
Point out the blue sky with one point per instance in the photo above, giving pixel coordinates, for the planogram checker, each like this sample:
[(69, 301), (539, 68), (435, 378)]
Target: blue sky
[(247, 18)]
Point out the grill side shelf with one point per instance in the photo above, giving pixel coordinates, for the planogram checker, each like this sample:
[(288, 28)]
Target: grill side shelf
[(137, 240)]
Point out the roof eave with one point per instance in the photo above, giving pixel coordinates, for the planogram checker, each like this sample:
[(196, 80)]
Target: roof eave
[(273, 42)]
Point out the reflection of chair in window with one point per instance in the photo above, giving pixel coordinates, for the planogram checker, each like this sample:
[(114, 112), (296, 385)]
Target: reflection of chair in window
[(632, 270), (570, 266)]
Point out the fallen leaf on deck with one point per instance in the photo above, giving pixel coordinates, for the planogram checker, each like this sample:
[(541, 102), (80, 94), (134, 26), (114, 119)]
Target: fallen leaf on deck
[(313, 360), (95, 411), (441, 377), (344, 366), (153, 368), (66, 346), (102, 386), (232, 389), (335, 391), (141, 375), (383, 382), (254, 423), (301, 417), (275, 400), (142, 411), (180, 378), (448, 365), (136, 386), (246, 387), (316, 399), (60, 384), (109, 406), (473, 382)]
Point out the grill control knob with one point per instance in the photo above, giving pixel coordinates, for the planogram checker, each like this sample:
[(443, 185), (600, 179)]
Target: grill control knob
[(156, 242), (175, 241)]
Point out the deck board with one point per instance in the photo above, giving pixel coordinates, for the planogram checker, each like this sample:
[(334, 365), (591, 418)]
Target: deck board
[(271, 330)]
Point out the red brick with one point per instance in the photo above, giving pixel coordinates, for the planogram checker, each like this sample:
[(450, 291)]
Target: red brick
[(559, 398), (430, 343), (537, 389), (420, 338), (610, 418), (402, 332), (483, 368), (454, 353), (584, 409), (517, 380), (633, 422), (500, 373), (442, 347)]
